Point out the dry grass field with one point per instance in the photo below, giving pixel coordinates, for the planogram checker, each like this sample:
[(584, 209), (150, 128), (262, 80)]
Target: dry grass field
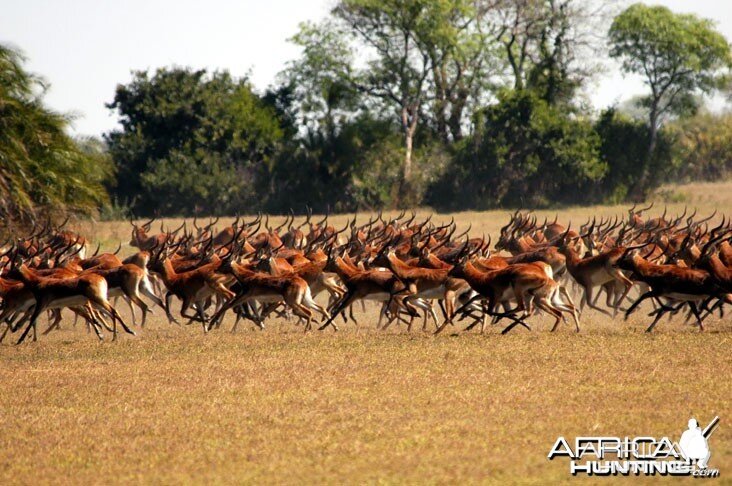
[(175, 406)]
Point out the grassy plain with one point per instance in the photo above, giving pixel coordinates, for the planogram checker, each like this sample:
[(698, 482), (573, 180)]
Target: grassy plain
[(174, 406)]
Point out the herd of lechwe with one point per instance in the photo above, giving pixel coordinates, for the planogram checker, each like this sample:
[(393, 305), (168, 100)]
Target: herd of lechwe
[(680, 266)]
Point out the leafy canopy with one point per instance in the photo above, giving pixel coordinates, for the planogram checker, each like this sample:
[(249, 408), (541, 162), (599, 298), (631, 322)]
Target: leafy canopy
[(191, 141), (524, 152), (41, 166), (677, 54)]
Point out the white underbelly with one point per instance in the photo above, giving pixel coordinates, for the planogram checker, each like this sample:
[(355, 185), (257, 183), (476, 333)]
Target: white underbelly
[(74, 301)]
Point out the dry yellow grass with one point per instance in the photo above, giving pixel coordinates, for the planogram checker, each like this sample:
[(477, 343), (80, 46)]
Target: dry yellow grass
[(173, 405)]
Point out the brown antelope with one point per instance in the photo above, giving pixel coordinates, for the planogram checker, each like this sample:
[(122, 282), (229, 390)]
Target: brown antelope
[(428, 284), (596, 271), (78, 291), (261, 287), (374, 285), (192, 287), (527, 283), (682, 285), (403, 264), (19, 302), (143, 241)]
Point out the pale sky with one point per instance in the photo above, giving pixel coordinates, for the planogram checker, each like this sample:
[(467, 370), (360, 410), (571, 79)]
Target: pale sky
[(84, 48)]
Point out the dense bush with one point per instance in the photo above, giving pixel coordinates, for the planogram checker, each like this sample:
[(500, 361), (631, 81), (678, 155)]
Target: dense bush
[(191, 142), (358, 169), (524, 152), (703, 147), (624, 149)]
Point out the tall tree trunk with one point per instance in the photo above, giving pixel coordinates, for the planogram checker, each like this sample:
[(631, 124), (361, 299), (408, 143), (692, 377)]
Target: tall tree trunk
[(653, 138), (456, 118), (409, 125), (410, 118), (440, 103), (641, 186), (408, 140)]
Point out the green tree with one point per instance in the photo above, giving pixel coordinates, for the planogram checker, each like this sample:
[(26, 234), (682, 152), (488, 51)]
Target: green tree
[(678, 55), (357, 167), (459, 40), (321, 80), (548, 45), (524, 152), (423, 63), (41, 166), (624, 144), (430, 64), (191, 142), (397, 72), (703, 146), (348, 152)]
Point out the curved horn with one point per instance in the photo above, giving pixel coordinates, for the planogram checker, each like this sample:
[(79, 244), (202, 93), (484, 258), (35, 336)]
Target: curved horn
[(707, 218), (708, 246), (325, 218), (465, 233), (175, 231), (65, 221), (504, 228), (564, 235), (278, 228), (590, 230), (678, 220), (452, 221), (304, 223), (146, 226)]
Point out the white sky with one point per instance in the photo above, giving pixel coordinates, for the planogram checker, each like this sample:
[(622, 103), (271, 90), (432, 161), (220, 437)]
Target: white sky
[(84, 48)]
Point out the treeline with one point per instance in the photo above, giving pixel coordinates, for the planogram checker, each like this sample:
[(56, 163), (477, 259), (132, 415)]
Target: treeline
[(454, 104)]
